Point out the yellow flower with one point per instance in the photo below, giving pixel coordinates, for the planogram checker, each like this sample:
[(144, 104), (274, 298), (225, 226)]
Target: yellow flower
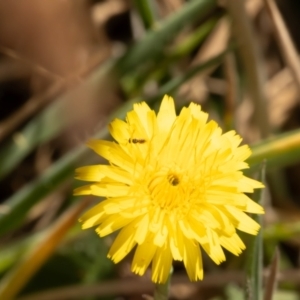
[(173, 184)]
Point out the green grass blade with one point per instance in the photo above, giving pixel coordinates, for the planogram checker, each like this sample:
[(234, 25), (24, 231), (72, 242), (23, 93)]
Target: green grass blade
[(173, 84), (279, 151), (20, 202), (193, 40), (254, 263), (148, 11), (38, 131), (164, 32)]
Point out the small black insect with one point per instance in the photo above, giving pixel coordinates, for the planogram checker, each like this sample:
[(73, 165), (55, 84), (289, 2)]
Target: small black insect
[(137, 141)]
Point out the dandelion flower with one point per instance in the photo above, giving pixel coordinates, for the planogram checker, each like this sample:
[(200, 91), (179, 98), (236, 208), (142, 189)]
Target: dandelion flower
[(173, 187)]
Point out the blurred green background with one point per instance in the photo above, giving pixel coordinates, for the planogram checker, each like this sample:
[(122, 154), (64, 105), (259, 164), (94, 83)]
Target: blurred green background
[(67, 68)]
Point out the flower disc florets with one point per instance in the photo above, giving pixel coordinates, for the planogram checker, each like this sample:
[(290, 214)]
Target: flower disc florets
[(174, 184)]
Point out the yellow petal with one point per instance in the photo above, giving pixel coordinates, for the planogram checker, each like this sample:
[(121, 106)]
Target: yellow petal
[(119, 130), (213, 248), (244, 222), (123, 244), (83, 190), (162, 263), (143, 255), (111, 224), (166, 115), (93, 216), (233, 244), (192, 260)]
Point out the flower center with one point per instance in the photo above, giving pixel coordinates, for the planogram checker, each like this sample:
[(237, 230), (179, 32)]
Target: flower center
[(167, 190), (173, 179)]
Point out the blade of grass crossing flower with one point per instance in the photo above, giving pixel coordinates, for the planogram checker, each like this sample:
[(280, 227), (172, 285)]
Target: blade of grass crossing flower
[(254, 262), (16, 279)]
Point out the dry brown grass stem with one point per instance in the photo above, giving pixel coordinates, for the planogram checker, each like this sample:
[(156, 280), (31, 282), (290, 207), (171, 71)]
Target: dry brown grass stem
[(250, 56), (285, 42)]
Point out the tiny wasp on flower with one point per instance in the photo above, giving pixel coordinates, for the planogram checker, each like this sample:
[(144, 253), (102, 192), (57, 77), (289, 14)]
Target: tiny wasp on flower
[(137, 141)]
